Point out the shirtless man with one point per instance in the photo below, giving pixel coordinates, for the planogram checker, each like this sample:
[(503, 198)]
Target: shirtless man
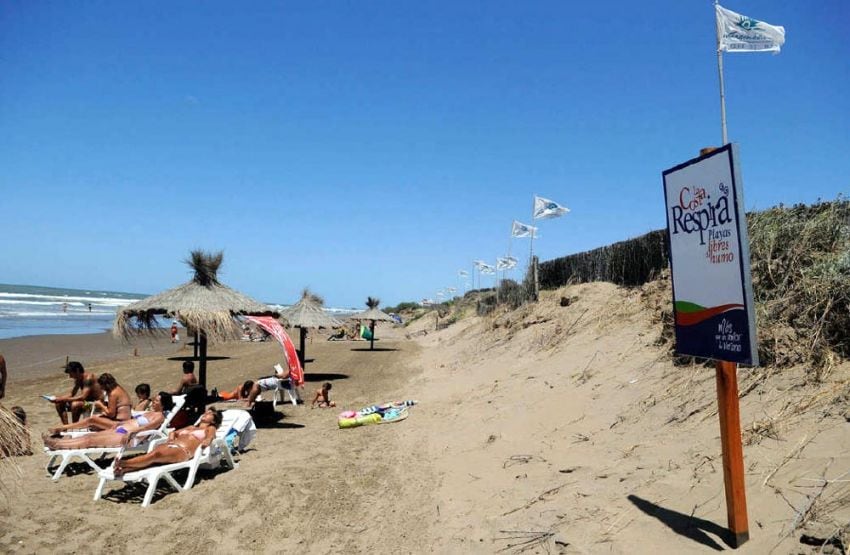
[(188, 378), (116, 409), (86, 390), (120, 433)]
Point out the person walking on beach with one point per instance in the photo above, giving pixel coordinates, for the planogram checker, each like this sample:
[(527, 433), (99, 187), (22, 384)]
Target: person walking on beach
[(174, 337), (2, 376), (86, 391), (187, 380)]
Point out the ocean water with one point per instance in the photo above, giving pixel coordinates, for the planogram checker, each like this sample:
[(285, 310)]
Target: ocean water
[(34, 310)]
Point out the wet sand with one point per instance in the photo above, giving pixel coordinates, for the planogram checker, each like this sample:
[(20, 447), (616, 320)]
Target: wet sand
[(41, 356)]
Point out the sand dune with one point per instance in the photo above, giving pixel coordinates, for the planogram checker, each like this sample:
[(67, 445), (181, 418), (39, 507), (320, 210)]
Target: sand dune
[(545, 429)]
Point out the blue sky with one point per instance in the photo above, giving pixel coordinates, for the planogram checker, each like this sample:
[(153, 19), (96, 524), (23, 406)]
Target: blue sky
[(375, 148)]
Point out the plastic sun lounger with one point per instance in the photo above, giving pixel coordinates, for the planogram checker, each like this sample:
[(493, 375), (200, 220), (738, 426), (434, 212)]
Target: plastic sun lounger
[(66, 456), (280, 389), (204, 457)]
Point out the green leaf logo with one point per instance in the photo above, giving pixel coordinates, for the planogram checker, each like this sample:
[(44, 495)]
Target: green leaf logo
[(747, 23)]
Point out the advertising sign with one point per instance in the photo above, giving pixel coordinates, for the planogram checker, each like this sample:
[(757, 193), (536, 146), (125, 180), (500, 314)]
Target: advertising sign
[(710, 258)]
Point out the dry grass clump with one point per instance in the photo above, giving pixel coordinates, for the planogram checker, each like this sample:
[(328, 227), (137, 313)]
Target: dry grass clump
[(14, 440), (801, 281), (800, 258)]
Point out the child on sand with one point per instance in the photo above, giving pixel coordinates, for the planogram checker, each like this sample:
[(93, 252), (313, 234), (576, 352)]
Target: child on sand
[(143, 392), (322, 398)]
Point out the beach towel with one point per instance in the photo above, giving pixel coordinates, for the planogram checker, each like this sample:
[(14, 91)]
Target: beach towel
[(365, 333), (394, 411)]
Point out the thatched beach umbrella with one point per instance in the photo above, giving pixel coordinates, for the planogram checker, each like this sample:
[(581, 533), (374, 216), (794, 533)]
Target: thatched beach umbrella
[(305, 314), (203, 305), (373, 315)]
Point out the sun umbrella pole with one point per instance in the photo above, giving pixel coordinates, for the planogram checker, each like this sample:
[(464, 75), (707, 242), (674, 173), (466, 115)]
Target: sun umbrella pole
[(202, 361), (303, 341), (197, 342), (372, 339)]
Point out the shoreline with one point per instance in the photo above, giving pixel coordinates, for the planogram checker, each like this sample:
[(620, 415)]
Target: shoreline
[(40, 356)]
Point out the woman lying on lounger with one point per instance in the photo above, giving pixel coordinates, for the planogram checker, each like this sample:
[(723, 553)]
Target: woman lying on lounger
[(120, 434), (116, 409), (181, 445)]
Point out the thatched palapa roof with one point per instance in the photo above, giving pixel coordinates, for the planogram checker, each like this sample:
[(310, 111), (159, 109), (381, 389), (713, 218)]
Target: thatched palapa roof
[(202, 304), (372, 314), (306, 314)]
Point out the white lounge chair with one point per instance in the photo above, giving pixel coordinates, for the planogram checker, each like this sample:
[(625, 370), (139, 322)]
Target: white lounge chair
[(66, 456), (205, 457), (277, 397)]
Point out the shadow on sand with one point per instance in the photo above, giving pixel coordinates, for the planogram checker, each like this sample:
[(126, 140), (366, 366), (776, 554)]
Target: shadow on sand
[(323, 376), (280, 425), (685, 525), (376, 349), (196, 359), (135, 492)]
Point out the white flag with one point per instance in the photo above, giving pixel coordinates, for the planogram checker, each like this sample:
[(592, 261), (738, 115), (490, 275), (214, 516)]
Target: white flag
[(522, 230), (463, 273), (506, 263), (487, 269), (479, 263), (545, 208), (739, 33)]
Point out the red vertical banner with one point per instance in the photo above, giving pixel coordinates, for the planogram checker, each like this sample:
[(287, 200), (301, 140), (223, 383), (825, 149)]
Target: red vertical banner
[(271, 325)]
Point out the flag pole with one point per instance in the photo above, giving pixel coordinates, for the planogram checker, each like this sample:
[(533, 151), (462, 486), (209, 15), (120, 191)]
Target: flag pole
[(531, 264), (720, 72)]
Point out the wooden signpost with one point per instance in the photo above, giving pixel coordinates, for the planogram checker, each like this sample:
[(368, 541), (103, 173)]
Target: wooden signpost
[(712, 295), (733, 452)]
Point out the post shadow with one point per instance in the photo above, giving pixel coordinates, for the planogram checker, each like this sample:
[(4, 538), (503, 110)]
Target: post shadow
[(196, 359), (685, 525), (324, 377), (375, 350)]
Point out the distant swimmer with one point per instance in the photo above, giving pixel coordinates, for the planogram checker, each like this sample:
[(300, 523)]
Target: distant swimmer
[(89, 307), (64, 307)]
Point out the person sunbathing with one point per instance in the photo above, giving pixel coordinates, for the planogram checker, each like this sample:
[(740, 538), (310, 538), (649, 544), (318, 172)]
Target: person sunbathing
[(121, 433), (339, 335), (180, 447), (239, 393), (115, 409)]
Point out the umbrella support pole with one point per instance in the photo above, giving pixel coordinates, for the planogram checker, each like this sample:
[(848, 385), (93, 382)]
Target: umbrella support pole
[(372, 339), (195, 345), (303, 343), (202, 361)]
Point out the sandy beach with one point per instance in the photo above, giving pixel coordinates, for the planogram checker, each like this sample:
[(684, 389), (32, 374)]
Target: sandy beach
[(548, 429)]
